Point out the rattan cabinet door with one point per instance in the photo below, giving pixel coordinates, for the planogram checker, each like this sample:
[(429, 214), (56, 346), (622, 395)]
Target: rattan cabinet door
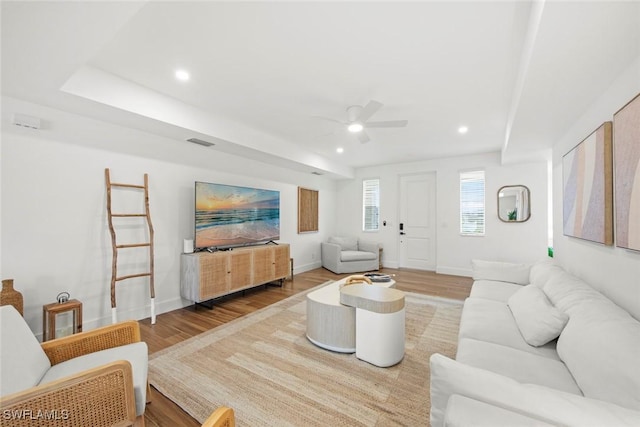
[(240, 269), (214, 275), (262, 264), (281, 261)]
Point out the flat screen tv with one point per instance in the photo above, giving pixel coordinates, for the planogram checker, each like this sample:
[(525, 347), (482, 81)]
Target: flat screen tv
[(228, 215)]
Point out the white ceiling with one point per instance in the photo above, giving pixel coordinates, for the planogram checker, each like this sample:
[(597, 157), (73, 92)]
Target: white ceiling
[(517, 73)]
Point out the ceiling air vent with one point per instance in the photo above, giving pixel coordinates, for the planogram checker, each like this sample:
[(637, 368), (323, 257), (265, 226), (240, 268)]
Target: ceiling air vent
[(201, 142)]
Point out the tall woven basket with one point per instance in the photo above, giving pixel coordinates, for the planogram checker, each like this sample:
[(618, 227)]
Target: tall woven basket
[(9, 296)]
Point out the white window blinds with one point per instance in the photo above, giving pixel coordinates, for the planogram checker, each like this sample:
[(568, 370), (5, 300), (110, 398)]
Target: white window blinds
[(371, 205), (472, 203)]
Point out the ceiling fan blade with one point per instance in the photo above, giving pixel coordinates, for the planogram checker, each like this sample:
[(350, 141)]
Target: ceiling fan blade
[(368, 111), (387, 124), (363, 137)]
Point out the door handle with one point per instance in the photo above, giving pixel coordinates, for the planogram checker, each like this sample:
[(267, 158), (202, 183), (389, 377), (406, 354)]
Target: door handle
[(402, 233)]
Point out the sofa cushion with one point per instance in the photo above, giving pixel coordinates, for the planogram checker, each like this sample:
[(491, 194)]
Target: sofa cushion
[(22, 360), (600, 345), (492, 321), (500, 271), (346, 256), (136, 354), (520, 365), (538, 321), (345, 243), (493, 290)]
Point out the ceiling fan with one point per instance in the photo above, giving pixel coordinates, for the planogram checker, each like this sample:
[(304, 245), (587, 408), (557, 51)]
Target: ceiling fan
[(357, 117)]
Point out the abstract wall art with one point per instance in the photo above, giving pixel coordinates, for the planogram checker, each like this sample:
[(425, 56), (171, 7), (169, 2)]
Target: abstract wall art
[(626, 140), (587, 195)]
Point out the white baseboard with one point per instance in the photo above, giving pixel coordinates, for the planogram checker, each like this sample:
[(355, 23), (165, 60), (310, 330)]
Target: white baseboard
[(454, 271), (137, 313), (441, 270), (306, 267), (177, 303)]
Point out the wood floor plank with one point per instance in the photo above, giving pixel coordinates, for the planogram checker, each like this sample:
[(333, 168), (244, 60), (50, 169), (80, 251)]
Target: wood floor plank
[(179, 325)]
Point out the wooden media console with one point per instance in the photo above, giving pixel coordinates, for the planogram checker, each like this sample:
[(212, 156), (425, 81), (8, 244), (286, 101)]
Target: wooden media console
[(208, 275)]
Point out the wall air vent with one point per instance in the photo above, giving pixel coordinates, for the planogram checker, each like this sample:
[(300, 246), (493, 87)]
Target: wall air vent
[(317, 173), (201, 142), (25, 121)]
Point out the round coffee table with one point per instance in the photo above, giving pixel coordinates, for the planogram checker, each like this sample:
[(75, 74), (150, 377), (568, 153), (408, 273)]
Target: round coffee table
[(331, 325)]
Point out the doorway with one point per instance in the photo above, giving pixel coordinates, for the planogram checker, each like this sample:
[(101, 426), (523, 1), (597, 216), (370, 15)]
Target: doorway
[(417, 219)]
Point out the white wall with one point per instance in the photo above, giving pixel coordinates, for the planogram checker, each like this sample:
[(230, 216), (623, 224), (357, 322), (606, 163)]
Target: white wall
[(517, 242), (54, 230), (613, 271)]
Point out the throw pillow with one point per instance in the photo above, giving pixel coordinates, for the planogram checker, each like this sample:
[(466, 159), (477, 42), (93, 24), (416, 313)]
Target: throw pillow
[(541, 271), (537, 319)]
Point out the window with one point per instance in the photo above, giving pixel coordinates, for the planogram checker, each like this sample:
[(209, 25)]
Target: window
[(371, 205), (472, 203)]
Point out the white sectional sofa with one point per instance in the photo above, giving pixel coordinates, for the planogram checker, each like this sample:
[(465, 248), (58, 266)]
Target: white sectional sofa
[(538, 346)]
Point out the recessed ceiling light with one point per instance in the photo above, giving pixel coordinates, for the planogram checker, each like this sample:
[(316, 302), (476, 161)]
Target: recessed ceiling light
[(463, 129), (355, 127), (340, 150), (182, 75)]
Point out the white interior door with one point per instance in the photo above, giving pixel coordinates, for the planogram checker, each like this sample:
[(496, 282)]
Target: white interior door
[(416, 227)]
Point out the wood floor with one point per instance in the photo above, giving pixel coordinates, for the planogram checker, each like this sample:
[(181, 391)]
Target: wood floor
[(179, 325)]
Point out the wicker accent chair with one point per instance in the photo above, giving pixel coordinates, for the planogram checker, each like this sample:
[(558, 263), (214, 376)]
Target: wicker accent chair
[(96, 378), (221, 417)]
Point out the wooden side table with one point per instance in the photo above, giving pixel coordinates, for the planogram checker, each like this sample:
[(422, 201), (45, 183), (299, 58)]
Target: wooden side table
[(51, 311)]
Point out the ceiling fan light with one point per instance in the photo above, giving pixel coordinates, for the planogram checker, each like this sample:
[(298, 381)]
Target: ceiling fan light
[(355, 127)]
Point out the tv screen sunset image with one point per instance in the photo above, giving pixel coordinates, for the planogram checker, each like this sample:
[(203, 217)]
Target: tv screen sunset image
[(227, 215)]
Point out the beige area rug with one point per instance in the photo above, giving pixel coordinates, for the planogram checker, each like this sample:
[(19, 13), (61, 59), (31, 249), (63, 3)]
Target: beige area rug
[(263, 366)]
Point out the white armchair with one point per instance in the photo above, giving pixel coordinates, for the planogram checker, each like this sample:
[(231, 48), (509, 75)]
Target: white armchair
[(350, 255)]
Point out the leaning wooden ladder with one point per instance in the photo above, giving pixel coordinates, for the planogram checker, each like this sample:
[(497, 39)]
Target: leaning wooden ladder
[(116, 247)]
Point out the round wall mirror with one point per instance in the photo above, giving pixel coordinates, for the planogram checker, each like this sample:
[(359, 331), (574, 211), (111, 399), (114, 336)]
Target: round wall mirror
[(514, 203)]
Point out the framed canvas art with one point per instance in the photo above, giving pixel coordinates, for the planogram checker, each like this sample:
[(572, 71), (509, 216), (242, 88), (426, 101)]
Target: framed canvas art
[(587, 195), (626, 140), (307, 210)]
